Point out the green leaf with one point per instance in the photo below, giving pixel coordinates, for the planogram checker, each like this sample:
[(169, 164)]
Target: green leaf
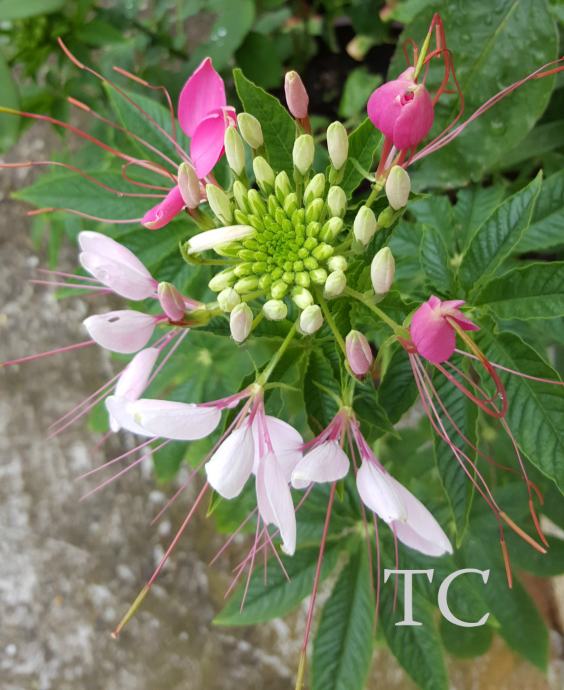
[(233, 20), (167, 461), (474, 205), (494, 240), (417, 648), (520, 623), (20, 9), (549, 564), (547, 226), (482, 37), (542, 139), (364, 142), (535, 291), (535, 409), (398, 390), (278, 127), (279, 596), (357, 89), (458, 487), (435, 261), (258, 59), (321, 407), (9, 125), (342, 649)]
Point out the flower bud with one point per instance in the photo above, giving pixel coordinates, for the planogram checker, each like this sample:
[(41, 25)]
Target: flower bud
[(303, 153), (386, 217), (291, 204), (222, 280), (359, 354), (382, 271), (315, 188), (337, 144), (240, 196), (171, 301), (323, 251), (364, 225), (279, 289), (337, 263), (228, 299), (311, 319), (337, 201), (335, 284), (246, 285), (250, 129), (398, 187), (282, 186), (318, 276), (219, 203), (241, 322), (314, 210), (296, 95), (264, 174), (189, 185), (234, 150), (302, 297), (275, 310), (331, 229)]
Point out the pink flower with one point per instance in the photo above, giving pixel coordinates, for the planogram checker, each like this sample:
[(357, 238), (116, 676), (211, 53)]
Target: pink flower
[(326, 463), (433, 328), (124, 331), (402, 110), (167, 209), (115, 266), (204, 116)]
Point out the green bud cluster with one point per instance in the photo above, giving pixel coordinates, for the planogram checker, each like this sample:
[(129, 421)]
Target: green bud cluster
[(292, 252)]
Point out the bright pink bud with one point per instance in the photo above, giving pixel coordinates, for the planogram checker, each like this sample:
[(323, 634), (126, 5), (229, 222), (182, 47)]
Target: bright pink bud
[(296, 95), (161, 214), (359, 354), (402, 110), (432, 331), (171, 301)]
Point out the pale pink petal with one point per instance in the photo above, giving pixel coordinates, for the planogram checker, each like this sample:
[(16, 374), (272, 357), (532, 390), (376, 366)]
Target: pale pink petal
[(432, 335), (286, 443), (121, 416), (232, 463), (133, 380), (203, 92), (175, 420), (122, 279), (274, 501), (419, 529), (376, 488), (206, 146), (325, 463), (104, 246), (123, 331), (165, 211), (415, 120)]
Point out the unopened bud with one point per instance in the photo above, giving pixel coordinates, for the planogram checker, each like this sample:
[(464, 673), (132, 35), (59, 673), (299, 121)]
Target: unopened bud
[(331, 229), (291, 204), (386, 217), (359, 354), (219, 203), (303, 153), (302, 297), (171, 301), (296, 95), (189, 186), (337, 144), (275, 310), (323, 251), (282, 186), (314, 210), (398, 187), (311, 319), (256, 203), (315, 188), (337, 201), (264, 174), (335, 284), (240, 196), (382, 271), (228, 299), (246, 285), (337, 263), (234, 150), (222, 280), (250, 129), (279, 289), (318, 276), (364, 225), (241, 322)]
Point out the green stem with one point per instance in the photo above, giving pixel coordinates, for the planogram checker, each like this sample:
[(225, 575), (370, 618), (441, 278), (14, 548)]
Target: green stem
[(263, 378), (367, 301), (423, 54), (331, 321), (377, 187)]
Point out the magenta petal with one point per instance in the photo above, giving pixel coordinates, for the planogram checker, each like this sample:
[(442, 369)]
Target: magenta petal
[(206, 147), (384, 105), (167, 209), (415, 120), (203, 92), (464, 322), (433, 337)]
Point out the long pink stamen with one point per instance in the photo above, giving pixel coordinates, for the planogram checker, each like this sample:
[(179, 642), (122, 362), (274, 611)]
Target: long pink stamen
[(111, 462), (49, 353), (74, 212), (512, 371)]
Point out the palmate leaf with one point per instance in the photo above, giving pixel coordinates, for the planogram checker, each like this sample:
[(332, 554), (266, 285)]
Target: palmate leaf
[(494, 240), (342, 648), (482, 38), (279, 596), (535, 291)]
